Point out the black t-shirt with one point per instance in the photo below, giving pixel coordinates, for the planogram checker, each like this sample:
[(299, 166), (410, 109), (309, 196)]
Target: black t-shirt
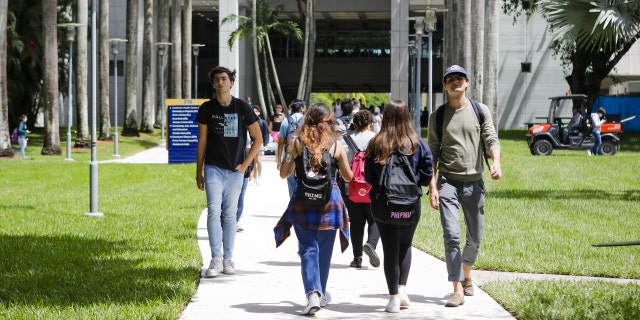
[(227, 131), (276, 121)]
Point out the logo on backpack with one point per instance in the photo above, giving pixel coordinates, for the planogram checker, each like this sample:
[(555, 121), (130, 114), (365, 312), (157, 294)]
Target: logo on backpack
[(358, 189), (314, 187), (398, 190)]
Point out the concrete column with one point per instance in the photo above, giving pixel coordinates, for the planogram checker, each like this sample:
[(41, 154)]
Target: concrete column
[(400, 50), (229, 57)]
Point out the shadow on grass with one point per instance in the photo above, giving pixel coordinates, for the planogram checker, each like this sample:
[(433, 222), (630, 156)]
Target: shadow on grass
[(581, 194), (64, 271)]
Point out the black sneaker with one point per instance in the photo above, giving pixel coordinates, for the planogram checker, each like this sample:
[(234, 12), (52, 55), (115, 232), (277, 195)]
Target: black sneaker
[(356, 263)]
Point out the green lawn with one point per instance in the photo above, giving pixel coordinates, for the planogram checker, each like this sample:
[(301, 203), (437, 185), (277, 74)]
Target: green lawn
[(142, 261)]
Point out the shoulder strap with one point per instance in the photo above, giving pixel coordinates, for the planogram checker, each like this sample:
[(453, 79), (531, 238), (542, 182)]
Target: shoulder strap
[(439, 120), (352, 144), (480, 115)]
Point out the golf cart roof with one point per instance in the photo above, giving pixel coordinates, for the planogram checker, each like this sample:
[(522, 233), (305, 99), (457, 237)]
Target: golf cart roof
[(570, 96)]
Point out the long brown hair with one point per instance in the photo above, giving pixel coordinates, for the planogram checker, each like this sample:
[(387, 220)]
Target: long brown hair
[(317, 133), (396, 133)]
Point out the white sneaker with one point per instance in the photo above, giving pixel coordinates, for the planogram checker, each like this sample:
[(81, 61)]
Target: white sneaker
[(326, 298), (404, 298), (313, 305), (215, 267), (589, 152), (228, 267), (393, 306)]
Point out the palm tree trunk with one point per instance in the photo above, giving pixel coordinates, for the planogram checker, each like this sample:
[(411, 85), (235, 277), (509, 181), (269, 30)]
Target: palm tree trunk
[(130, 127), (275, 72), (477, 49), (146, 125), (490, 86), (267, 77), (103, 63), (164, 12), (50, 88), (5, 143), (187, 13), (176, 49), (83, 139), (306, 76), (254, 42)]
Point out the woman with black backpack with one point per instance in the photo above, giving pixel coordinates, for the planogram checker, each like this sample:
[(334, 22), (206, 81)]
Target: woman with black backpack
[(316, 209), (397, 162)]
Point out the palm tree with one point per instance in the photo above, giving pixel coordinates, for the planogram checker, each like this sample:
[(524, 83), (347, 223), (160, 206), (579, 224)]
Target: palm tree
[(187, 22), (590, 36), (83, 139), (5, 144), (50, 89), (164, 13), (146, 125), (176, 48), (266, 21), (490, 86), (103, 72), (306, 76), (130, 127)]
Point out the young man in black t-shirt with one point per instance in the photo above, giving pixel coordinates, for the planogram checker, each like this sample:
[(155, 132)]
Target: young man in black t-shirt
[(221, 162)]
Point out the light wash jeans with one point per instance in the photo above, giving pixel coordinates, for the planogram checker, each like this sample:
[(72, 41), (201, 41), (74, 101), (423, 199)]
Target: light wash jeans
[(315, 248), (291, 184), (223, 191), (22, 142), (245, 183), (470, 196)]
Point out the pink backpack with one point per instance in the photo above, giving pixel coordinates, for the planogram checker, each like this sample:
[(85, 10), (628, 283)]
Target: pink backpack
[(358, 190)]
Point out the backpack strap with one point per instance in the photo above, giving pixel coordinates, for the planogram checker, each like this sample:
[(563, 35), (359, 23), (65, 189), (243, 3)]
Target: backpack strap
[(352, 144)]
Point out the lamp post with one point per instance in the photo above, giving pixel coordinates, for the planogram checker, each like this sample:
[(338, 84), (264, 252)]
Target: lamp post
[(70, 32), (93, 165), (430, 24), (115, 43), (161, 48), (419, 26), (196, 50)]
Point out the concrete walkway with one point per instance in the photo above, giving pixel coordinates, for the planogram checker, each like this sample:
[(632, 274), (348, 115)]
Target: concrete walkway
[(268, 284)]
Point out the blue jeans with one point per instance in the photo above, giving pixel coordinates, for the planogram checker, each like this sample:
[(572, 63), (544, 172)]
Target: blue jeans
[(470, 196), (223, 191), (597, 141), (245, 183), (315, 248), (291, 184), (22, 142)]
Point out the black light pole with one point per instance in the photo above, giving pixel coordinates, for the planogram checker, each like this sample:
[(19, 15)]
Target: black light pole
[(93, 165), (419, 26), (115, 43), (430, 24), (70, 31), (196, 50), (161, 48)]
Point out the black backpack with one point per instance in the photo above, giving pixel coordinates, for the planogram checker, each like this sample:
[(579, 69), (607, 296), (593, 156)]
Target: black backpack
[(314, 187), (398, 190), (479, 114)]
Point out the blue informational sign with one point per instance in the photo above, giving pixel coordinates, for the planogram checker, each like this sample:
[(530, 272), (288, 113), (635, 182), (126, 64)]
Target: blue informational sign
[(183, 129)]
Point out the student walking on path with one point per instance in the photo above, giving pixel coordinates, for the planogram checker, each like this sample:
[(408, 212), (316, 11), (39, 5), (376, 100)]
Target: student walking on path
[(315, 225), (396, 136), (221, 164), (458, 153)]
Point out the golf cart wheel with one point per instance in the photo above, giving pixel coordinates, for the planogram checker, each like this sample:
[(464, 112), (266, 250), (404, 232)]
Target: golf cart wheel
[(608, 148), (542, 148)]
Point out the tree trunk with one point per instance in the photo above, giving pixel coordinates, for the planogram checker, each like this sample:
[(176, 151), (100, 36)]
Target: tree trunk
[(103, 72), (5, 144), (254, 43), (146, 125), (267, 77), (50, 93), (477, 49), (187, 13), (130, 127), (465, 22), (306, 76), (283, 102), (164, 12), (83, 137), (492, 32), (176, 49)]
